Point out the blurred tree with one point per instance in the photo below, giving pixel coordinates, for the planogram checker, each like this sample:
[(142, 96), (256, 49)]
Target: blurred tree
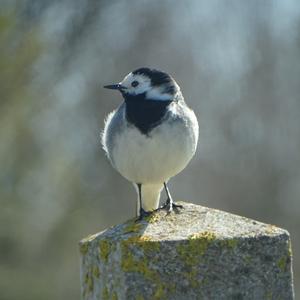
[(18, 51)]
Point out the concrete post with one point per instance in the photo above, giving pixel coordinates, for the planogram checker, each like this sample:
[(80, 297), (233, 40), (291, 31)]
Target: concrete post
[(200, 253)]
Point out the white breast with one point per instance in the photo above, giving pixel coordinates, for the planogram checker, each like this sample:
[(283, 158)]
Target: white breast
[(164, 153)]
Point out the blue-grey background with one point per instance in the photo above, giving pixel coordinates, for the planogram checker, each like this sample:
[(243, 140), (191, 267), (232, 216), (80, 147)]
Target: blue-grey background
[(238, 64)]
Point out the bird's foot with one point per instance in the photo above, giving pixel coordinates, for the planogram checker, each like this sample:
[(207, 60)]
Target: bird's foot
[(170, 206), (177, 206), (143, 214)]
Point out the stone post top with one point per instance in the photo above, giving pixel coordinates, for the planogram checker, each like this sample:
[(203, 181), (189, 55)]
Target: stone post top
[(197, 253), (191, 222)]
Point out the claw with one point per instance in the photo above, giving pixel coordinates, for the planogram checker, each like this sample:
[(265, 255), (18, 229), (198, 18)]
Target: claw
[(143, 214), (177, 206), (170, 206)]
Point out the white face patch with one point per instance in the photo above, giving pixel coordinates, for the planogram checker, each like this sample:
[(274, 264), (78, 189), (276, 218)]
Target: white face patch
[(157, 94), (144, 86)]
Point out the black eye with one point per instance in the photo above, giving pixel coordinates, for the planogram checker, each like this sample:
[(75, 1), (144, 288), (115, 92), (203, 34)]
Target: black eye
[(134, 83)]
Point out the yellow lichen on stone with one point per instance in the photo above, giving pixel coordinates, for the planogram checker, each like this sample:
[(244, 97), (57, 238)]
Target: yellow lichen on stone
[(96, 272), (229, 243), (145, 238), (195, 246), (83, 248), (192, 250), (105, 248), (148, 245), (207, 235), (282, 262), (132, 227), (191, 277), (89, 282), (127, 261), (130, 263), (144, 242), (105, 294), (159, 293), (152, 218), (114, 296)]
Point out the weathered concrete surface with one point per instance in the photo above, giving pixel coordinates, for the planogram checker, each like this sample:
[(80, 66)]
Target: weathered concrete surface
[(200, 253)]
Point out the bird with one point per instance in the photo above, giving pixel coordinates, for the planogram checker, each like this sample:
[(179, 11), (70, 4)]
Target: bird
[(151, 136)]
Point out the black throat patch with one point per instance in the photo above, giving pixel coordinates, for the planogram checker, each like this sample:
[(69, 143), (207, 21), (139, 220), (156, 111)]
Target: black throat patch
[(145, 114)]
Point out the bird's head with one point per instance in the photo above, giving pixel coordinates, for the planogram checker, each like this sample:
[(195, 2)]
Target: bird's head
[(147, 84)]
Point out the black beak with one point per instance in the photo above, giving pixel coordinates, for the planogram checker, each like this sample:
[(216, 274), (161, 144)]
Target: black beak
[(117, 86)]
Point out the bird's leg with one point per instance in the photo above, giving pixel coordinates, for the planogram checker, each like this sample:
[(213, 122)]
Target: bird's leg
[(143, 213), (170, 205)]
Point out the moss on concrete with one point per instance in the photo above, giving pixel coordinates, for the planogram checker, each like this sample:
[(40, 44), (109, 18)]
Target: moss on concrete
[(229, 243), (96, 272), (132, 227), (131, 263), (195, 247), (83, 248), (89, 282), (114, 296), (282, 263), (193, 250), (189, 251), (105, 294), (159, 293), (153, 218), (106, 247)]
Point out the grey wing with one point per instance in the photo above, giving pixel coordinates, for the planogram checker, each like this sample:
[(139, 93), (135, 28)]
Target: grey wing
[(185, 116), (114, 124)]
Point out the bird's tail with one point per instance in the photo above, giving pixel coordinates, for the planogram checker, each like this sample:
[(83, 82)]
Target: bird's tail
[(150, 197)]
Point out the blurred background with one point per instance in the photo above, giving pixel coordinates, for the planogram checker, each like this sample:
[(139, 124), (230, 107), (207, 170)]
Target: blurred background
[(238, 65)]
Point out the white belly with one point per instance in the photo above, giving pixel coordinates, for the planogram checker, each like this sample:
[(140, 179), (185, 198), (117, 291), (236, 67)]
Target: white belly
[(155, 158)]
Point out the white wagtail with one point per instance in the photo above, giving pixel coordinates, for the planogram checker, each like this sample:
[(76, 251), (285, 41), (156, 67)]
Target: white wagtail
[(151, 136)]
